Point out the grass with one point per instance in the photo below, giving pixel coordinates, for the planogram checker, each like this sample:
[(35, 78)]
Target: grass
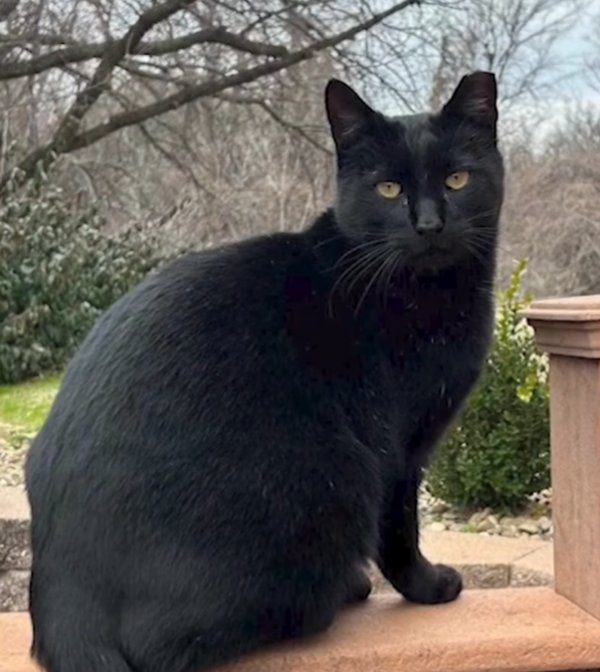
[(24, 406)]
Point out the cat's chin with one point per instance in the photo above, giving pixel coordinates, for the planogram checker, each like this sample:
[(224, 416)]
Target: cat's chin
[(434, 260)]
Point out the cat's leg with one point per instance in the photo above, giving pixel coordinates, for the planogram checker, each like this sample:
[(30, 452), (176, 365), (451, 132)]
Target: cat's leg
[(176, 637), (358, 586), (400, 558)]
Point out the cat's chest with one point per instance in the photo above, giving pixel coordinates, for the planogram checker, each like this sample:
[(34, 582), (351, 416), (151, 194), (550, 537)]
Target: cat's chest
[(418, 383)]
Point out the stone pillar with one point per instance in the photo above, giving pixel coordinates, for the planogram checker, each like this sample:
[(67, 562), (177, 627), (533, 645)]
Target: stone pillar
[(569, 331)]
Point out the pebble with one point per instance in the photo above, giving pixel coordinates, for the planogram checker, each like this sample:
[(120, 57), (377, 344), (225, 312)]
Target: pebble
[(450, 516), (439, 507), (12, 460), (545, 524), (536, 521), (510, 531), (479, 517), (485, 525), (529, 527)]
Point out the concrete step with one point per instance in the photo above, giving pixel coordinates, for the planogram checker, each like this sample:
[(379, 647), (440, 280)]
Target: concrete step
[(507, 630)]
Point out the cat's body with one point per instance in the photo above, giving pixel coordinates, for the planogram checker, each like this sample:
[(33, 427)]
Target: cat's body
[(238, 436)]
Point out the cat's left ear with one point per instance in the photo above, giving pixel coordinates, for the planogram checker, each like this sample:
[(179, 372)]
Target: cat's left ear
[(475, 99), (346, 110)]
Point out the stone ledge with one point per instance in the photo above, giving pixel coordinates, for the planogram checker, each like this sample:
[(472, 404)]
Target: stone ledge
[(524, 630), (13, 503), (511, 630)]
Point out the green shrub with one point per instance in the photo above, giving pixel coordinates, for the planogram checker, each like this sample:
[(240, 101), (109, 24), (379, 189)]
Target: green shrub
[(58, 272), (499, 451)]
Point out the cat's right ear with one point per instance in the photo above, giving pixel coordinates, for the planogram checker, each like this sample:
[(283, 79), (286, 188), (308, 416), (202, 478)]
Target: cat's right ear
[(347, 112), (475, 98)]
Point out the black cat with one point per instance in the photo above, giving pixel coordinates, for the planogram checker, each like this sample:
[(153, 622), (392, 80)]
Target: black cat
[(241, 433)]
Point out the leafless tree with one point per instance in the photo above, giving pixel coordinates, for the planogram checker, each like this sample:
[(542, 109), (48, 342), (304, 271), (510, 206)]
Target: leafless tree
[(593, 60), (205, 118), (552, 213), (514, 38), (123, 64)]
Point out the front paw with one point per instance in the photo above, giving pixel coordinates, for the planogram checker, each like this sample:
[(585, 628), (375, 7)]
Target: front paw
[(431, 584)]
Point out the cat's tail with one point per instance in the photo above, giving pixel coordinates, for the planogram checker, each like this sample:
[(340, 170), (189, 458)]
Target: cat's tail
[(80, 657), (73, 635)]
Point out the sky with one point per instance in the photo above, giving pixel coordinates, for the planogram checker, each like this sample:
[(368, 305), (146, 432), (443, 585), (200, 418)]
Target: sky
[(539, 115), (577, 89)]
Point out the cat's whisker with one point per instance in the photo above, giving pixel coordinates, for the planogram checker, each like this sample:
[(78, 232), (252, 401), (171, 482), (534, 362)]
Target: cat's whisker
[(357, 249), (373, 281), (339, 236), (363, 258), (485, 240), (366, 269), (355, 265), (395, 259), (356, 269)]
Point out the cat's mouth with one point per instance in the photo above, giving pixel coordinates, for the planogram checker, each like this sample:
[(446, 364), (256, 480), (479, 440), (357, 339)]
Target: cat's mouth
[(432, 254)]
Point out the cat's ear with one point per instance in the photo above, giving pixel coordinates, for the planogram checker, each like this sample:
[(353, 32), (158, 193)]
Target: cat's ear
[(475, 98), (346, 110)]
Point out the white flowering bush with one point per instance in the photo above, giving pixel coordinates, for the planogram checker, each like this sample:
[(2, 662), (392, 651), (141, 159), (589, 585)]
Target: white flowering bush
[(58, 272), (499, 453)]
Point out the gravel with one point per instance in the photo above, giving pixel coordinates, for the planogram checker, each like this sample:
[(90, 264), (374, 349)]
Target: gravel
[(12, 459), (535, 521)]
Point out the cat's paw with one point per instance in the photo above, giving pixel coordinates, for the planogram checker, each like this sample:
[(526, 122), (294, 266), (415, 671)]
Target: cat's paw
[(432, 584), (359, 587)]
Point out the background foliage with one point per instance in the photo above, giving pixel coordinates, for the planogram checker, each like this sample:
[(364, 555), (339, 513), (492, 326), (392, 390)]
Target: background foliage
[(58, 271)]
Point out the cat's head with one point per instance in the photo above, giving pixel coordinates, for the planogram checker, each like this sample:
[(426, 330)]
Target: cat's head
[(426, 187)]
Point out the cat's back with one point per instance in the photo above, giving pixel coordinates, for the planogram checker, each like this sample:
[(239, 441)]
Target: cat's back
[(202, 334)]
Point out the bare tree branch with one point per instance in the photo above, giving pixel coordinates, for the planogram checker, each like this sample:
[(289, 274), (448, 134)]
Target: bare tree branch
[(85, 52), (68, 138), (7, 7), (284, 123)]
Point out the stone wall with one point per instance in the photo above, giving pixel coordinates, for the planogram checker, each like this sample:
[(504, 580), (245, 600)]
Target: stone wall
[(15, 556)]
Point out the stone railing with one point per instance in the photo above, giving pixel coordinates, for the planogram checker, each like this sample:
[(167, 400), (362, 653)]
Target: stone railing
[(503, 630)]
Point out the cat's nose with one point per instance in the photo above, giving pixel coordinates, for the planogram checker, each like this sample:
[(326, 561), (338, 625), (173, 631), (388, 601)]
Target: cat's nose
[(429, 226), (428, 220)]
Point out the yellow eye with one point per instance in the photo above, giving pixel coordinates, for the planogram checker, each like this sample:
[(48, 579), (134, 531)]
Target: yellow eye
[(458, 180), (389, 189)]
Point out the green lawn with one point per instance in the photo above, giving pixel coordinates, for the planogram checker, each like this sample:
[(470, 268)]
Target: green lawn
[(24, 407)]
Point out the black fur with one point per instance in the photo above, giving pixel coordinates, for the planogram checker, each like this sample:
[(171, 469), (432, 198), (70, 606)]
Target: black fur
[(242, 432)]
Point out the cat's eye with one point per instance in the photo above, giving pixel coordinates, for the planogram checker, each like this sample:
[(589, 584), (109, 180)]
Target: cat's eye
[(389, 189), (457, 180)]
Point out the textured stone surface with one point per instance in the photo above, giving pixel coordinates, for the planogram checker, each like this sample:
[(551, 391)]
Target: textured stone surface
[(14, 530), (534, 569), (15, 555), (524, 630), (485, 576), (14, 586), (523, 576), (14, 544)]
